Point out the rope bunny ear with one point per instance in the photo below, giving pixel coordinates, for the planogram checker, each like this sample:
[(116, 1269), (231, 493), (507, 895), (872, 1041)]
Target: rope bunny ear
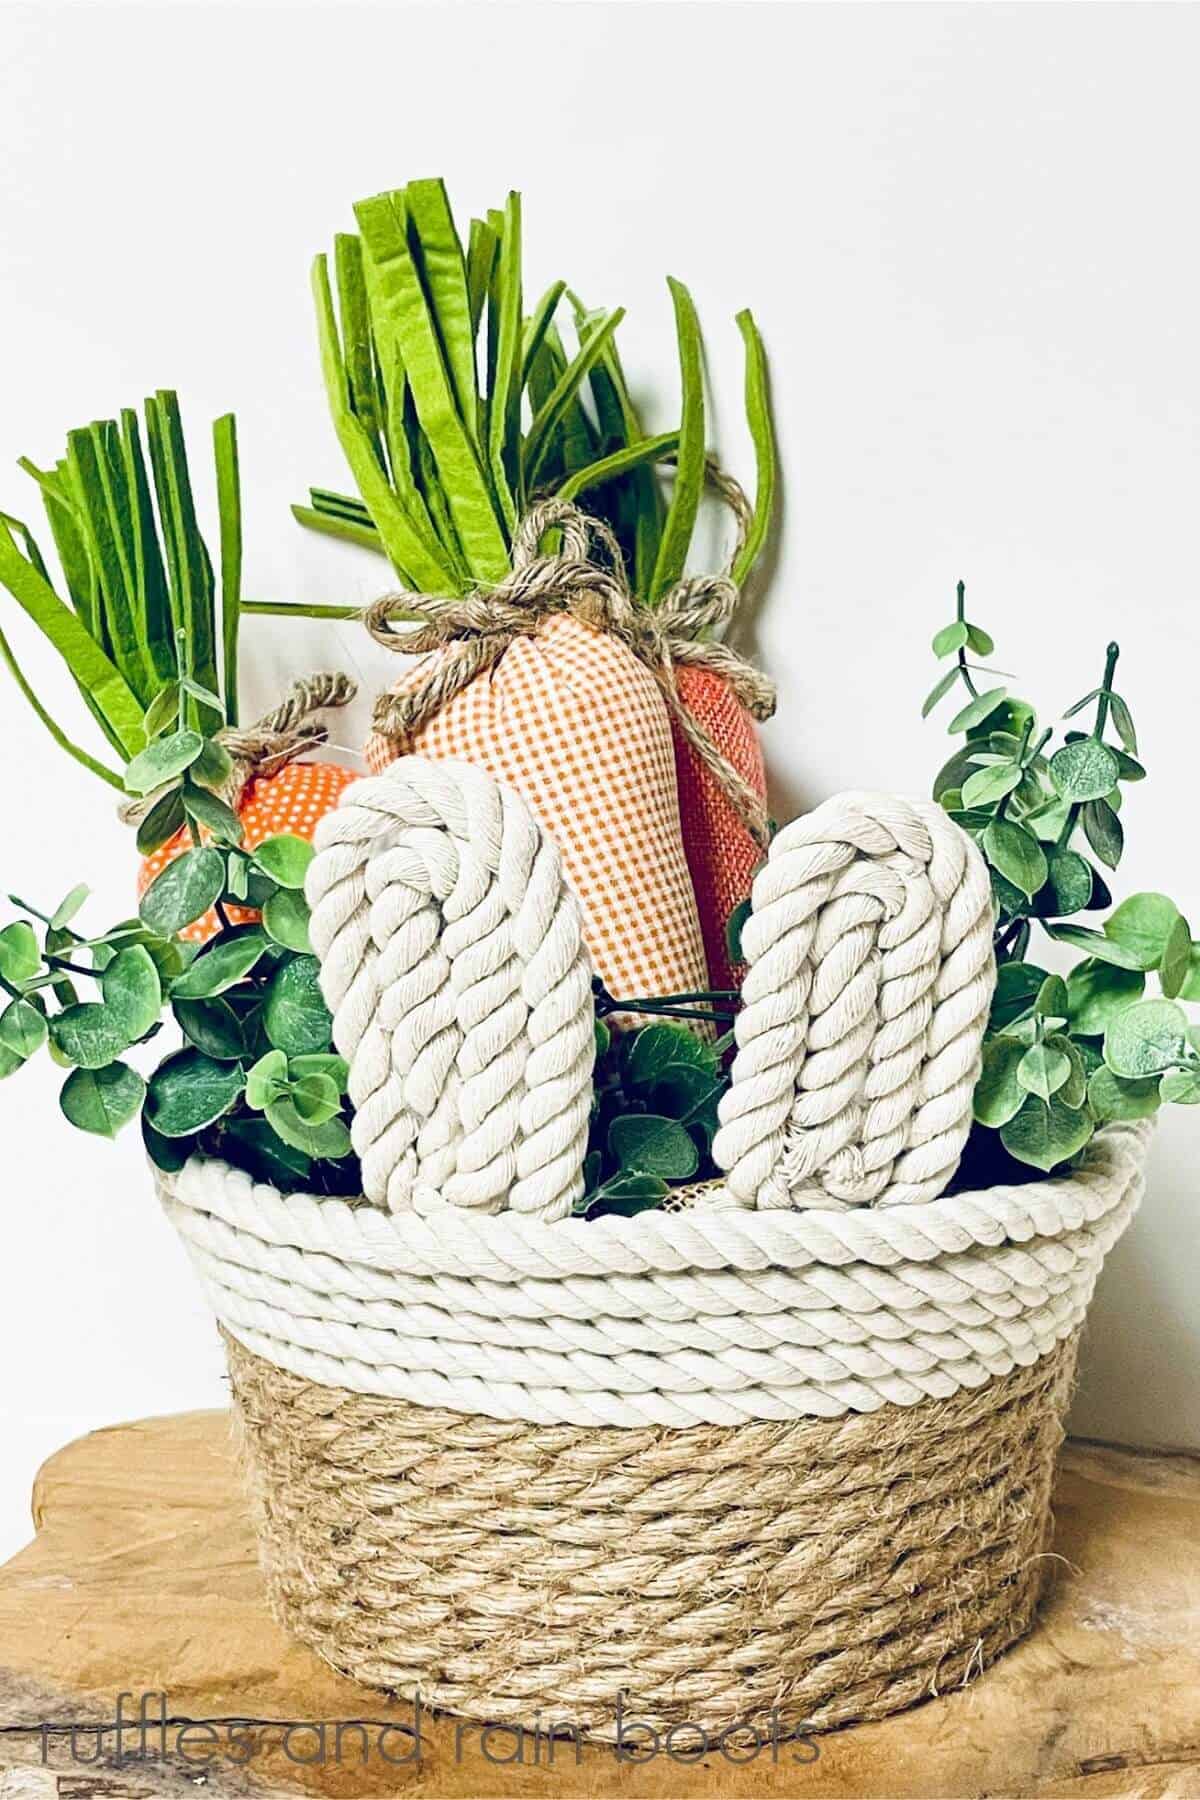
[(452, 960), (861, 1033)]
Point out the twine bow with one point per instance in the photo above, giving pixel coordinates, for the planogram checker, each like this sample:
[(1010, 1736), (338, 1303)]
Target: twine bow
[(280, 736), (474, 632)]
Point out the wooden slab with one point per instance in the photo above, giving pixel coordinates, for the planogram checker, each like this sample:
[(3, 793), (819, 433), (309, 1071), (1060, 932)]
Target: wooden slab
[(142, 1578)]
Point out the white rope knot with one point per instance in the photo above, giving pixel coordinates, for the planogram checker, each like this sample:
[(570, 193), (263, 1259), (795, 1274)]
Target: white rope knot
[(453, 962), (860, 1037)]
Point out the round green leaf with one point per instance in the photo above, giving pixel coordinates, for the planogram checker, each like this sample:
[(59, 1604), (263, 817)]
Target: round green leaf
[(66, 909), (1181, 1087), (184, 891), (1123, 720), (102, 1100), (656, 1047), (167, 1154), (1043, 1070), (20, 954), (1016, 854), (212, 1026), (1073, 1091), (1175, 963), (1110, 1097), (1069, 882), (978, 710), (22, 1029), (214, 765), (328, 1142), (1191, 987), (1146, 1038), (979, 640), (295, 1017), (286, 918), (315, 1098), (1017, 986), (160, 824), (267, 1080), (252, 1144), (1142, 926), (191, 1090), (163, 760), (1084, 770), (647, 1144), (285, 859), (951, 638), (998, 1093), (221, 965), (162, 711), (1096, 991), (89, 1035), (132, 991), (1052, 998), (1045, 1134)]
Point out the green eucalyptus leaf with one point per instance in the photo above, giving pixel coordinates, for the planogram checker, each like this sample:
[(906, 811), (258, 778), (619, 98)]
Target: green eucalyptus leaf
[(1016, 854), (295, 1016), (1043, 1070), (603, 1038), (321, 1063), (163, 760), (951, 638), (990, 784), (1048, 820), (656, 1047), (167, 1154), (1070, 884), (66, 909), (1142, 926), (285, 917), (999, 1096), (212, 1026), (1191, 987), (213, 767), (88, 1035), (1181, 1087), (22, 1029), (20, 953), (162, 711), (190, 1091), (1174, 965), (1146, 1038), (978, 710), (1096, 991), (1110, 1097), (1123, 720), (327, 1142), (1104, 832), (1129, 768), (979, 640), (212, 813), (624, 1196), (1046, 1133), (285, 859), (132, 991), (1093, 943), (1017, 987), (102, 1100), (1052, 998), (161, 823), (267, 1080), (184, 891), (1073, 1091), (315, 1098), (266, 1156), (735, 924), (221, 964), (939, 690), (648, 1144), (1084, 770)]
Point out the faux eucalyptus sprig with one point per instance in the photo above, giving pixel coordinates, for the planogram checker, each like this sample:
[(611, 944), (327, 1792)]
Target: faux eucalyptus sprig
[(455, 406), (1062, 1055)]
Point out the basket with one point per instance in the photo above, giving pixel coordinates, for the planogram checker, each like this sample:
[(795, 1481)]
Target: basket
[(775, 1461)]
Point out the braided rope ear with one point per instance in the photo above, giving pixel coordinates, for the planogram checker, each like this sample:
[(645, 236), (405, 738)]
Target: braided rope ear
[(453, 962), (860, 1037)]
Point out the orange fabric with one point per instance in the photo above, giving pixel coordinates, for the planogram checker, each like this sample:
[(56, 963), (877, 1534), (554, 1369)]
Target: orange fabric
[(293, 800), (721, 854), (576, 725)]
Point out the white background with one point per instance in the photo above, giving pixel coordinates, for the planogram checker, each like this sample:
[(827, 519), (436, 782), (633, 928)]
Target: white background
[(969, 234)]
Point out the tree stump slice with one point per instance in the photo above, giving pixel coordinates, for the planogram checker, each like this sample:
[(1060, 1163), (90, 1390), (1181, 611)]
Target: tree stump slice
[(142, 1578)]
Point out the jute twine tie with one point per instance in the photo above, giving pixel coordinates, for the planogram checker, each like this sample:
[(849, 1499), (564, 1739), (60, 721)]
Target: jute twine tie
[(279, 737), (474, 631)]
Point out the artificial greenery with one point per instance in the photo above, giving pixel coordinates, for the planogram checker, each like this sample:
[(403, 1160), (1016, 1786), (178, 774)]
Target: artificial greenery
[(138, 578), (455, 407), (1063, 1055)]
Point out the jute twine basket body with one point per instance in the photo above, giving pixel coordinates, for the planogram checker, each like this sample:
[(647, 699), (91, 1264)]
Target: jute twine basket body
[(780, 1457)]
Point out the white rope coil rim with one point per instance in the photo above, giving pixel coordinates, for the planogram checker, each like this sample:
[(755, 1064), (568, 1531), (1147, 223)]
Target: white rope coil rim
[(510, 1246), (860, 1037)]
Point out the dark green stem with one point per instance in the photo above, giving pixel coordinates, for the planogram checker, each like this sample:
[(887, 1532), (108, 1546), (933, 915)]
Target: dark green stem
[(961, 616), (1106, 688)]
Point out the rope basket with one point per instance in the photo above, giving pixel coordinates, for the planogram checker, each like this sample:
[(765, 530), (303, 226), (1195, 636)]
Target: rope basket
[(780, 1457)]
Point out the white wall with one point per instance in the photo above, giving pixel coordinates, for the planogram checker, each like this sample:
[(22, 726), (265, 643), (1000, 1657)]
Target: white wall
[(969, 235)]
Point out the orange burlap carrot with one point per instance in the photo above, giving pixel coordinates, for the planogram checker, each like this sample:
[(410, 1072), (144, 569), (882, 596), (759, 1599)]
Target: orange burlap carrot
[(558, 683), (721, 852)]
